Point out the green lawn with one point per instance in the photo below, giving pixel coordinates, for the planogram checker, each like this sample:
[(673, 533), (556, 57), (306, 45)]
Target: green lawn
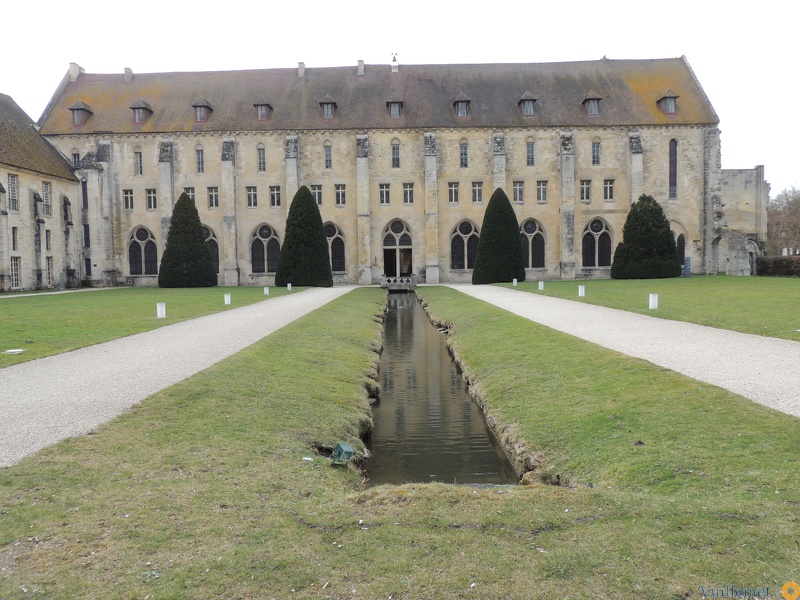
[(205, 491), (760, 305), (45, 324)]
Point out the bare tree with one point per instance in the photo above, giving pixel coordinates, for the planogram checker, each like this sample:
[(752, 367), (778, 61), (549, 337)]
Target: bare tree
[(783, 222)]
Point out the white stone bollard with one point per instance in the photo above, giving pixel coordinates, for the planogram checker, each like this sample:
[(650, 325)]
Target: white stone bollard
[(289, 286), (266, 291), (653, 301), (161, 310), (514, 282), (227, 298), (581, 291), (541, 285)]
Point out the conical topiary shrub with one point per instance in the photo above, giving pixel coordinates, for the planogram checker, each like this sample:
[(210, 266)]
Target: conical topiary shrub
[(499, 257), (647, 250), (304, 258), (186, 261)]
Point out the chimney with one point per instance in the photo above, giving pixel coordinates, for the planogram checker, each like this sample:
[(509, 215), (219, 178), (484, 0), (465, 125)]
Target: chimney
[(301, 69), (360, 67), (395, 66), (74, 71), (128, 75)]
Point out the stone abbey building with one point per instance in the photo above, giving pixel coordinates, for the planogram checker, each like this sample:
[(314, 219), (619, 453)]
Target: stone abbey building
[(402, 161)]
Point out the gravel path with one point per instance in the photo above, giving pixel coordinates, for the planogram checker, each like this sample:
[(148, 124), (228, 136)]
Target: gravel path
[(765, 370), (49, 399)]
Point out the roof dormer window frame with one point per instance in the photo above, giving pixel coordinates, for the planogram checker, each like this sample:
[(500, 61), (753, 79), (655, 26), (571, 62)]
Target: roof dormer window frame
[(202, 110), (461, 105), (526, 104), (395, 106), (141, 111), (263, 109), (668, 103), (592, 103), (80, 113), (328, 107)]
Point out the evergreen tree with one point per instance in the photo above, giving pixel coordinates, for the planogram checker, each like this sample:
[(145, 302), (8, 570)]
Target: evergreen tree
[(186, 261), (304, 258), (647, 250), (499, 256)]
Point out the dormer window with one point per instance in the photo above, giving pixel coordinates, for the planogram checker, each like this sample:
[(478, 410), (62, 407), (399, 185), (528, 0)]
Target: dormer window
[(394, 104), (328, 106), (526, 104), (668, 102), (80, 113), (141, 111), (202, 110), (461, 105), (592, 103), (263, 109)]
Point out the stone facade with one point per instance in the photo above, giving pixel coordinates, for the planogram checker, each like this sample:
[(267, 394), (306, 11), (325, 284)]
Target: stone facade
[(404, 178)]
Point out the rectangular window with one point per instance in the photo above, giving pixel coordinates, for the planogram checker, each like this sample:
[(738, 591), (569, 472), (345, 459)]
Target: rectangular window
[(463, 155), (76, 159), (199, 113), (152, 202), (87, 240), (47, 240), (274, 195), (340, 198), (452, 189), (87, 267), (84, 194), (327, 110), (316, 191), (394, 109), (529, 156), (13, 199), (252, 196), (262, 159), (137, 163), (189, 192), (527, 107), (201, 161), (593, 106), (608, 190), (519, 192), (213, 197), (14, 238), (669, 105), (47, 201), (138, 115), (477, 192), (595, 153), (328, 157), (408, 193), (77, 117), (261, 110), (383, 188), (541, 192), (462, 108), (586, 190), (49, 262), (16, 263), (127, 199), (395, 156)]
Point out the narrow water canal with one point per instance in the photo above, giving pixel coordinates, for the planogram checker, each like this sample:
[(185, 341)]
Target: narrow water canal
[(426, 426)]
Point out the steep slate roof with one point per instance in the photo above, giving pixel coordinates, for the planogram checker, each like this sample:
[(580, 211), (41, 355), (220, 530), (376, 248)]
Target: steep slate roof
[(22, 147), (630, 90)]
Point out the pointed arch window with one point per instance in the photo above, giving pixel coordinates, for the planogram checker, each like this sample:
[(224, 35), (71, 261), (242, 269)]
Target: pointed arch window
[(673, 169), (397, 249), (213, 246), (264, 250), (142, 253), (335, 247), (596, 244), (464, 245), (533, 244)]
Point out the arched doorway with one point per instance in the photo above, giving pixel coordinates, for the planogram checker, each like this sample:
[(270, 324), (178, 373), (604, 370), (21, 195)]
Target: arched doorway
[(397, 250)]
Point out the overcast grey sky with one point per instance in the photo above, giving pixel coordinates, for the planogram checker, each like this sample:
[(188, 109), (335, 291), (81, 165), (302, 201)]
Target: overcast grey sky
[(745, 57)]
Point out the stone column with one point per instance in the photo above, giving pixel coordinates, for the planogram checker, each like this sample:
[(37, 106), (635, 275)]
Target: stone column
[(713, 216), (567, 207), (637, 167), (431, 209), (291, 167), (362, 209), (165, 196), (498, 162), (229, 252), (102, 229)]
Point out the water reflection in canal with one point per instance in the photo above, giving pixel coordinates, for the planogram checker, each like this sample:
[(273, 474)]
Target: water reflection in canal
[(426, 427)]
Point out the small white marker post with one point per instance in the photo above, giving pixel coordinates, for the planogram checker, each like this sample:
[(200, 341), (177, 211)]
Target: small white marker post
[(289, 286), (227, 298), (581, 291), (514, 282), (161, 310), (266, 291), (541, 285), (653, 301)]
